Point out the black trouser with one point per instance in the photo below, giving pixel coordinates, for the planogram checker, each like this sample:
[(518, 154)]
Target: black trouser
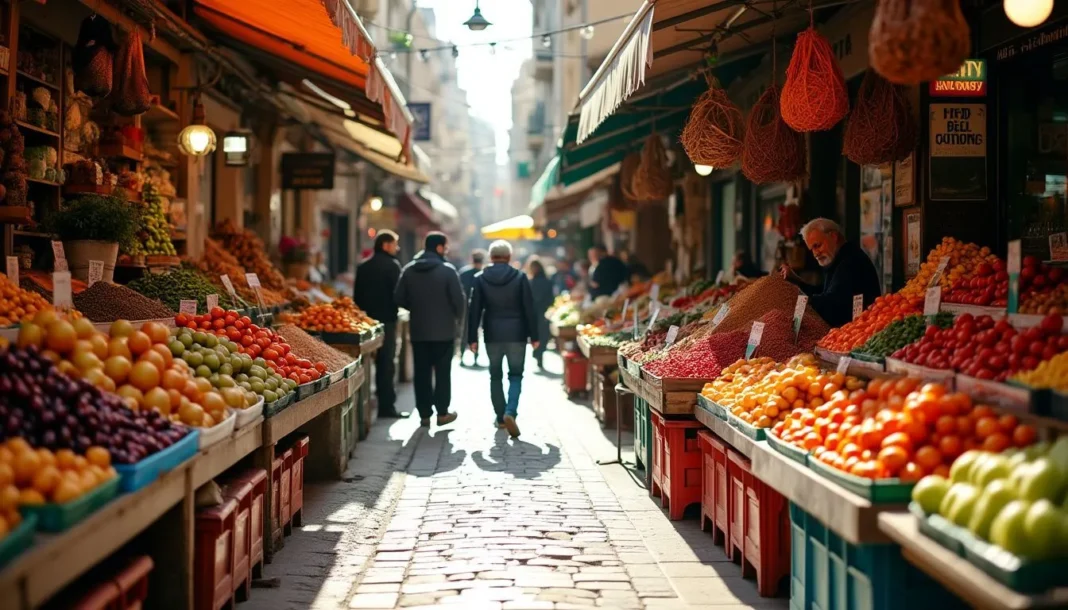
[(386, 369), (433, 376)]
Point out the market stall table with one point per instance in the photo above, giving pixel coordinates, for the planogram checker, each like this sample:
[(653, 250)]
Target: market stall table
[(563, 335)]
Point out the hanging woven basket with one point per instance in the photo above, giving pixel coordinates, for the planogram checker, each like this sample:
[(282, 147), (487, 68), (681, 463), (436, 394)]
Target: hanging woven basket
[(772, 151), (881, 128), (814, 96), (713, 134), (652, 180), (627, 169), (914, 41)]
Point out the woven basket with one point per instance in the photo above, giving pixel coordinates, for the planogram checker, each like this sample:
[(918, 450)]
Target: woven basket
[(881, 128), (652, 179), (772, 151), (713, 135), (914, 41), (814, 96)]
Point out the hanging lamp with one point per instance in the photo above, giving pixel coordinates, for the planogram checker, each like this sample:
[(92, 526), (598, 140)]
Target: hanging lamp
[(477, 22), (197, 139)]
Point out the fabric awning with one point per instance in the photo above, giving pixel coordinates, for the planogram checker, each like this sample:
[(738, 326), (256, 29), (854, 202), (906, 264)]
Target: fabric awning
[(414, 208), (439, 204), (515, 228), (545, 183)]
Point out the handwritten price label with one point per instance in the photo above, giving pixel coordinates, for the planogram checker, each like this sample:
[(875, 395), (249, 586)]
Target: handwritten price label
[(799, 312), (843, 364), (212, 301), (229, 286), (932, 300), (672, 333), (59, 256), (722, 313), (96, 271), (13, 269), (61, 295), (188, 307), (253, 280), (652, 319), (754, 339), (858, 305)]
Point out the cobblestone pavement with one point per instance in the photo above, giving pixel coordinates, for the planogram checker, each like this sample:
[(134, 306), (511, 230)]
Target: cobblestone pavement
[(464, 517)]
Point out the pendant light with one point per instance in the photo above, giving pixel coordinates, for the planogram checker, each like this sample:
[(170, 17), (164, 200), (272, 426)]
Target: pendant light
[(477, 22), (1028, 13), (197, 139), (702, 170)]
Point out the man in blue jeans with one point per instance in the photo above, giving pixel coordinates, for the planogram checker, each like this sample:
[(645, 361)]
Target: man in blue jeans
[(502, 304)]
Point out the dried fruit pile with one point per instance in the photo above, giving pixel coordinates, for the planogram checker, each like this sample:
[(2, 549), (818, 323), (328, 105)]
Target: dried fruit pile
[(251, 253), (217, 262), (104, 302)]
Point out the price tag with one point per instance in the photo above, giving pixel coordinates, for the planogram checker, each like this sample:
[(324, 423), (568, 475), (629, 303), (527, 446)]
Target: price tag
[(96, 271), (652, 319), (634, 331), (61, 295), (253, 280), (1014, 264), (626, 306), (672, 333), (858, 305), (654, 293), (13, 269), (212, 301), (59, 256), (188, 307), (843, 364), (936, 277), (229, 286), (799, 312), (754, 339), (1058, 247), (719, 277), (932, 300), (722, 313)]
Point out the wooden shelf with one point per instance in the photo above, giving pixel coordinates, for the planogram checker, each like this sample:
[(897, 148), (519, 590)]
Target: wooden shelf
[(37, 79), (115, 150), (741, 443), (36, 129), (34, 234), (300, 413), (43, 182), (100, 189), (15, 214), (218, 458), (957, 574), (159, 113)]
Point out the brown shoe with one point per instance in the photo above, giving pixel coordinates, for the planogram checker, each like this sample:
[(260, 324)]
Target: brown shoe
[(511, 426), (448, 418)]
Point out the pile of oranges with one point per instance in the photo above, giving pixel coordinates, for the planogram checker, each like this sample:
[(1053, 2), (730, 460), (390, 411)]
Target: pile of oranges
[(341, 316), (31, 477), (886, 310), (17, 304), (897, 429)]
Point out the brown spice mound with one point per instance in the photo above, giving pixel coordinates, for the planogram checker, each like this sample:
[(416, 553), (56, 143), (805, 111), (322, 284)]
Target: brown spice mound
[(104, 302), (309, 347)]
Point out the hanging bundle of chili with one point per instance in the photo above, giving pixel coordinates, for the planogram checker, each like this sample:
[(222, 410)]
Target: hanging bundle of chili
[(713, 134), (652, 179), (814, 96), (772, 152), (913, 41), (881, 128), (627, 169)]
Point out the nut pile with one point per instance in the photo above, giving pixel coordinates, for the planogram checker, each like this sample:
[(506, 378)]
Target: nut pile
[(311, 348), (104, 302)]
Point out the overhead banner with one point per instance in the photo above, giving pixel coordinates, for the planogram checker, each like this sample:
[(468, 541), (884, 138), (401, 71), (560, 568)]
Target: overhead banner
[(421, 121)]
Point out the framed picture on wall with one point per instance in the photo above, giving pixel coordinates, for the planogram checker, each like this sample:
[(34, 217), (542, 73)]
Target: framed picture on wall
[(913, 242)]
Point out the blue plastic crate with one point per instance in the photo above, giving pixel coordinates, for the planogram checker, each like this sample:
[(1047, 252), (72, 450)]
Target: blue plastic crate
[(145, 472), (829, 573)]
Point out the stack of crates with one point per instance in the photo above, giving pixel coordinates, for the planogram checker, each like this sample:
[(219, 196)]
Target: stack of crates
[(643, 438), (680, 468), (213, 569)]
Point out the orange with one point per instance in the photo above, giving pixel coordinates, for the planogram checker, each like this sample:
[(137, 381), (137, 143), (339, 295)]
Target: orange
[(98, 456), (986, 426), (18, 445), (996, 442), (9, 498), (928, 457), (7, 475), (31, 497), (46, 480), (66, 491), (65, 459), (1024, 435), (27, 464)]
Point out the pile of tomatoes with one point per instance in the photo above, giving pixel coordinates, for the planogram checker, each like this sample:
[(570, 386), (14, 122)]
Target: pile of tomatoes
[(885, 310), (256, 341)]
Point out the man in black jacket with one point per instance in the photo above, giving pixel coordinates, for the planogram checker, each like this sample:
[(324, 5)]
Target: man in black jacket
[(376, 279), (467, 280), (847, 271), (430, 289), (607, 274), (502, 304)]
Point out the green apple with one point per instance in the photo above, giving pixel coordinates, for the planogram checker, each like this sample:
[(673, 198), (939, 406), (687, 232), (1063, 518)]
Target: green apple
[(960, 512), (992, 499), (1058, 454), (950, 498), (1037, 450), (929, 492), (994, 467), (1007, 530), (961, 470), (1042, 524), (1040, 479)]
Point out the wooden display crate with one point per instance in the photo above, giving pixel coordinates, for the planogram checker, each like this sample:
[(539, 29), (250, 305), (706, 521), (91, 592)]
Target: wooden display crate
[(598, 356), (670, 395)]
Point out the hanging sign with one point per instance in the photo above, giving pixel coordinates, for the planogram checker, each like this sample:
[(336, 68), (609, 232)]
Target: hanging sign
[(60, 258), (96, 271), (1058, 247), (1013, 263), (858, 305), (968, 81), (212, 301), (311, 171), (188, 307), (958, 152), (754, 339), (61, 294), (13, 269)]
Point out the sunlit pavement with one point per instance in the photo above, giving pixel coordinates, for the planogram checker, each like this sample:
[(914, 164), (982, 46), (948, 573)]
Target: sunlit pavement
[(464, 517)]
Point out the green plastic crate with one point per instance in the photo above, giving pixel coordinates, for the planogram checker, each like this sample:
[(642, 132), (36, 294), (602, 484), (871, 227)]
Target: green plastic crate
[(882, 491), (757, 434), (17, 540), (62, 517), (349, 430), (793, 452), (712, 407), (643, 434)]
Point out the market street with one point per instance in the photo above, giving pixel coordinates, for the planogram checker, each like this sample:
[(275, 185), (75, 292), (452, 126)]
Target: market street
[(481, 521)]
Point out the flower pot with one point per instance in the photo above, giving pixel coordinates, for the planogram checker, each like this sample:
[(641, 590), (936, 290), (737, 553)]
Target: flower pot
[(298, 271), (79, 252)]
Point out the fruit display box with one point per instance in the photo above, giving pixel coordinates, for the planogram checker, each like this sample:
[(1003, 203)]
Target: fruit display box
[(945, 377), (249, 415), (62, 517), (276, 407), (18, 539), (143, 473), (1058, 405), (340, 338), (1010, 396), (672, 395), (306, 390), (878, 491), (792, 452), (751, 431), (1023, 321), (712, 406), (219, 432)]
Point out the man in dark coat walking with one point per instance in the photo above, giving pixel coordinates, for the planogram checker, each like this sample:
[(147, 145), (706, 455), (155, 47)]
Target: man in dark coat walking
[(376, 279), (430, 289), (502, 304), (467, 280)]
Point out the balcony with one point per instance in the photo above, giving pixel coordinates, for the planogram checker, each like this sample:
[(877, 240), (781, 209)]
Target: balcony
[(543, 63)]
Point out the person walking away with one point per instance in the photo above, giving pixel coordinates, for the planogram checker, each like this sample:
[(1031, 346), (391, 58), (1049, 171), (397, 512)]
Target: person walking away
[(541, 289), (376, 280), (502, 304), (430, 289), (607, 272), (467, 280), (847, 271)]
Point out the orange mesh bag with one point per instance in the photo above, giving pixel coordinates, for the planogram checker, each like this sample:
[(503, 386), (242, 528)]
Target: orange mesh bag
[(914, 41), (130, 95), (652, 180), (92, 58), (627, 169), (814, 96), (772, 152), (881, 128), (713, 134)]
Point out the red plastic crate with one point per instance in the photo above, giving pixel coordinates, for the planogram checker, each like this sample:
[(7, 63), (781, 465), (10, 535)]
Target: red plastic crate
[(680, 471), (296, 502), (104, 596), (656, 485), (241, 491), (213, 582), (257, 479), (713, 485), (767, 538), (133, 583), (576, 372), (738, 474), (285, 508)]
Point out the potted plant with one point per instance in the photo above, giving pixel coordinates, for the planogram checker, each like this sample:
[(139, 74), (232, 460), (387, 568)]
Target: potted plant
[(92, 227), (295, 257)]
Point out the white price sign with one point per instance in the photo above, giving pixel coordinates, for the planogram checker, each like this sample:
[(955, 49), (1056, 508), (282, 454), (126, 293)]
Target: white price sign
[(937, 276), (229, 286), (652, 319), (61, 294), (188, 307), (634, 330), (13, 269), (96, 271), (253, 280), (754, 339), (626, 306), (932, 300), (212, 301), (59, 256), (858, 305), (672, 333), (843, 364), (722, 313), (1014, 262), (654, 293)]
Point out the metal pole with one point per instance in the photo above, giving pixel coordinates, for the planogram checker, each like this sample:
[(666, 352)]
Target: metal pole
[(408, 55), (585, 71)]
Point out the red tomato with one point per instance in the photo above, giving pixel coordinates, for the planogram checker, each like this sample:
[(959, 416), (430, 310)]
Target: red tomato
[(291, 358), (217, 312), (304, 379), (270, 354), (304, 364), (319, 366)]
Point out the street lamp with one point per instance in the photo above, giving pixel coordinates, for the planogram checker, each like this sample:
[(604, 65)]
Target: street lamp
[(477, 22), (376, 204), (702, 170), (197, 139)]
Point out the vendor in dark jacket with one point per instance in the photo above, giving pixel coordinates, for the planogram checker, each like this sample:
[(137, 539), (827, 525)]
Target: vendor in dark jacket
[(608, 272), (467, 280), (503, 305), (541, 289), (847, 271), (376, 279), (430, 289)]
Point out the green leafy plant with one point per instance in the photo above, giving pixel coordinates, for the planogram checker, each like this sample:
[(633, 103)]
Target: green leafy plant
[(96, 217)]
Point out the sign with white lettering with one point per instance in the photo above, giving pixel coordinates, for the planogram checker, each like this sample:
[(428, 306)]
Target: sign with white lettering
[(188, 307), (13, 269), (96, 271), (61, 294)]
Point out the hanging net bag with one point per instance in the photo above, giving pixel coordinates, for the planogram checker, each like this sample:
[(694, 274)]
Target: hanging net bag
[(772, 151), (913, 41), (814, 96), (131, 95), (92, 58), (627, 169), (881, 128), (713, 134), (652, 180)]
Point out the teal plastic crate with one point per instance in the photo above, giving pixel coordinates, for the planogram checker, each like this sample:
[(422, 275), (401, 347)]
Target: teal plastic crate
[(829, 573), (349, 430), (643, 434)]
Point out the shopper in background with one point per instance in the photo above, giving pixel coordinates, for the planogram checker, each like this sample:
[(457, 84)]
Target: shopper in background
[(743, 267), (847, 271), (607, 272), (502, 304), (376, 280), (541, 289), (467, 280), (636, 271), (430, 289), (565, 277)]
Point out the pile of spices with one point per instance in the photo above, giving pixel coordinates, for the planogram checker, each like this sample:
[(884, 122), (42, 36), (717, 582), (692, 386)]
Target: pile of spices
[(104, 302), (313, 349)]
